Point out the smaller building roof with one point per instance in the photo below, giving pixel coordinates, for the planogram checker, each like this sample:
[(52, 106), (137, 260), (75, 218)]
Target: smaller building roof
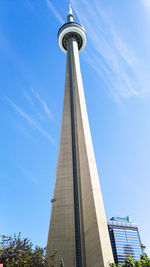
[(121, 222)]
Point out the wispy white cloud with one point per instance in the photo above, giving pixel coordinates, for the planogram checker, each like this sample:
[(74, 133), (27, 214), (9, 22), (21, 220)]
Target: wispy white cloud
[(146, 6), (27, 174), (29, 119), (29, 99), (146, 3), (43, 104), (21, 128), (55, 12), (28, 4), (113, 58)]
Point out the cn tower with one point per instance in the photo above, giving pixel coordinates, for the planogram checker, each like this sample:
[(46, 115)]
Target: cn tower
[(78, 227)]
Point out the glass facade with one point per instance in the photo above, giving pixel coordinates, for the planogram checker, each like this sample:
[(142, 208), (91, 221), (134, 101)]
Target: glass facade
[(125, 240)]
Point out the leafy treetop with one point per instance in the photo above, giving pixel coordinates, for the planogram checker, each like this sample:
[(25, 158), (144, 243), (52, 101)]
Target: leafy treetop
[(17, 251)]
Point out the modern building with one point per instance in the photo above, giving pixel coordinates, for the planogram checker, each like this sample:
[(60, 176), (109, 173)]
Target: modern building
[(125, 239), (78, 225)]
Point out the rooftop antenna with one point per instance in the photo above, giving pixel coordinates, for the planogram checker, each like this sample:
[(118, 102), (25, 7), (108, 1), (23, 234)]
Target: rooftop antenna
[(70, 16), (70, 9)]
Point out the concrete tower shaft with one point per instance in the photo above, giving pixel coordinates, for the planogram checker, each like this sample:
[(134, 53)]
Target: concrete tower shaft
[(78, 226)]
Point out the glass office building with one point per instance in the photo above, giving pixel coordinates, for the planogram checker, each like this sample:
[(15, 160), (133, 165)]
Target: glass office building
[(125, 239)]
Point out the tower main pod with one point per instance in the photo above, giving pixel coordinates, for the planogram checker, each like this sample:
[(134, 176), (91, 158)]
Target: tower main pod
[(78, 227)]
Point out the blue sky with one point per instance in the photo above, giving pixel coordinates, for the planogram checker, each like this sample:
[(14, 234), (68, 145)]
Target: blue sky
[(116, 77)]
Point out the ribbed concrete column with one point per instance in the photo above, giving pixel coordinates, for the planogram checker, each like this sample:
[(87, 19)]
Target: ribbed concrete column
[(72, 47)]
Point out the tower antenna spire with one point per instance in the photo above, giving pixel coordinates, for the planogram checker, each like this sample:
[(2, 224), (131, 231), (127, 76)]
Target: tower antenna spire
[(70, 16), (70, 9)]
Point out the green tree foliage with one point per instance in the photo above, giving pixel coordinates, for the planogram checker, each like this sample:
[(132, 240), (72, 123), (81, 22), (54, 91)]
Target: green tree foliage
[(16, 251), (143, 247), (130, 262)]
